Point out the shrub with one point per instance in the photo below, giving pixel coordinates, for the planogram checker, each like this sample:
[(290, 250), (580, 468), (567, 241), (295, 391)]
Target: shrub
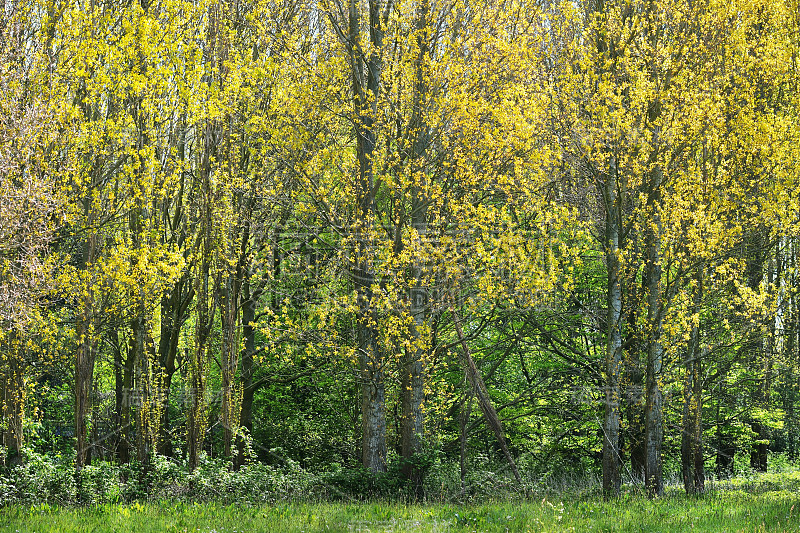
[(41, 478)]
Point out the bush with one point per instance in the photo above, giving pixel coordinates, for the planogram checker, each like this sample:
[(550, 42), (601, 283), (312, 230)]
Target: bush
[(213, 480), (47, 479), (41, 478), (359, 484)]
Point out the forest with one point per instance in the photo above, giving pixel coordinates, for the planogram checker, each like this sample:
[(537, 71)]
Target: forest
[(393, 238)]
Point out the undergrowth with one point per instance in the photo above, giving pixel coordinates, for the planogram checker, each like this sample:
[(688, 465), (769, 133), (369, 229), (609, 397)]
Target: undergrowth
[(52, 481)]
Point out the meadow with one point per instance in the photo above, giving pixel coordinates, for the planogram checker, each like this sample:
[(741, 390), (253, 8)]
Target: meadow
[(769, 502)]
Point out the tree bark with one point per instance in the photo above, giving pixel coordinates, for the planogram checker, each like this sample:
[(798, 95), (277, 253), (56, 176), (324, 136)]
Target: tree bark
[(482, 393), (635, 374), (174, 312), (141, 356), (231, 305), (197, 413), (86, 350), (756, 250), (653, 476), (196, 418), (613, 357), (174, 305), (413, 386), (692, 466), (653, 410), (463, 419), (13, 406), (249, 301), (118, 395), (229, 313), (366, 71)]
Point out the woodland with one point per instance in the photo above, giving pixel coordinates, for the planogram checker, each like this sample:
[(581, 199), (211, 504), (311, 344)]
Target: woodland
[(386, 239)]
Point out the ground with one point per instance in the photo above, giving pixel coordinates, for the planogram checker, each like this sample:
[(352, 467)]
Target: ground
[(735, 507)]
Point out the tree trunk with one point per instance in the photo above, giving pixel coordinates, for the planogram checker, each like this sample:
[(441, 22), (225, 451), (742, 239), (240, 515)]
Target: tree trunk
[(85, 354), (84, 377), (230, 341), (175, 305), (366, 79), (790, 349), (250, 300), (229, 310), (140, 359), (692, 466), (127, 399), (482, 393), (174, 310), (373, 394), (726, 448), (613, 360), (634, 373), (463, 418), (413, 385), (653, 475), (758, 456), (196, 418), (653, 410), (760, 351), (13, 407), (118, 395)]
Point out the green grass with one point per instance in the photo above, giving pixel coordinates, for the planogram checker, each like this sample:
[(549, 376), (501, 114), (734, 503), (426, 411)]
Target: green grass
[(725, 510)]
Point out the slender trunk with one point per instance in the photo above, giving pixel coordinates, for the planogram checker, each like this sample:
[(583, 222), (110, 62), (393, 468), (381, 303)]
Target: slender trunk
[(613, 360), (141, 356), (173, 313), (790, 349), (654, 429), (128, 399), (759, 349), (463, 418), (761, 447), (196, 418), (635, 419), (118, 393), (634, 373), (175, 305), (230, 341), (164, 440), (250, 300), (692, 466), (13, 406), (133, 381), (366, 79), (413, 386), (689, 418), (245, 420), (84, 377), (142, 414), (413, 417), (85, 354), (653, 409), (373, 397), (229, 352), (484, 401), (697, 437)]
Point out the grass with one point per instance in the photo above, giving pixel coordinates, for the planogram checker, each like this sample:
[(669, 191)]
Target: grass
[(727, 510), (766, 502)]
